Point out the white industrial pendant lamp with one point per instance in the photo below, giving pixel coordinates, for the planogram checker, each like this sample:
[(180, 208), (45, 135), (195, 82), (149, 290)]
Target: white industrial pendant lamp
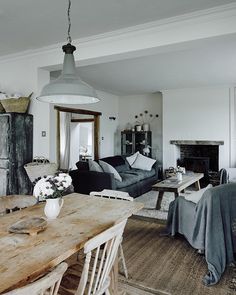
[(68, 88)]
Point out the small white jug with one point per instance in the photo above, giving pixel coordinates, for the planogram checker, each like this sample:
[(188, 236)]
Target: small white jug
[(53, 208), (179, 176)]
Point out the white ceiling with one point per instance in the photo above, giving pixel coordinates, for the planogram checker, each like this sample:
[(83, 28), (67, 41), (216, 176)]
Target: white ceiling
[(31, 24), (204, 63)]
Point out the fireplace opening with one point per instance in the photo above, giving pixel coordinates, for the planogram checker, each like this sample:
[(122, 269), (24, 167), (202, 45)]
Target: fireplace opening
[(196, 164), (200, 159), (202, 151)]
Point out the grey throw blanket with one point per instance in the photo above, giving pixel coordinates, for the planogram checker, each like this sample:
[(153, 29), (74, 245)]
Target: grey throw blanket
[(208, 225)]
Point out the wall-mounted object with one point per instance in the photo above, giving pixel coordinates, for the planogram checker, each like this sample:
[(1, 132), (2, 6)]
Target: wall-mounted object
[(144, 119), (112, 118)]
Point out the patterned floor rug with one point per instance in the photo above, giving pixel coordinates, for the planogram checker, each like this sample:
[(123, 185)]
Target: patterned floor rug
[(149, 200)]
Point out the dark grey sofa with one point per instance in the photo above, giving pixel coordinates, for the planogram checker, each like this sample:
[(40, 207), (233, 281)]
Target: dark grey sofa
[(134, 181)]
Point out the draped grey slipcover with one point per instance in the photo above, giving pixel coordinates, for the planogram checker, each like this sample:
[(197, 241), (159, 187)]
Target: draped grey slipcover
[(208, 225)]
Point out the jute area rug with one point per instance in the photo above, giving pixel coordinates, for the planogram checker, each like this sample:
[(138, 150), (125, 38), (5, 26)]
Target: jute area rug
[(149, 200), (164, 265)]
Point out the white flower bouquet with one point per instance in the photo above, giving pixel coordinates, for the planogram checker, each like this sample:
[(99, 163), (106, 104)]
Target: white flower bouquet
[(52, 187)]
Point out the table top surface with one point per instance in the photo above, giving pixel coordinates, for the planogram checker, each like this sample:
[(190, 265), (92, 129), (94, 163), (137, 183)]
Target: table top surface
[(173, 185), (82, 217)]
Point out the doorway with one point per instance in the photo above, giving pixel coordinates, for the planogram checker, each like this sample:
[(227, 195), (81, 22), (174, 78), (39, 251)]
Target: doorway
[(77, 136), (81, 142)]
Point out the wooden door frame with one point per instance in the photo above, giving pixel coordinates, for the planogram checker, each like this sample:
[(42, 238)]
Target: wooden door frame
[(95, 119)]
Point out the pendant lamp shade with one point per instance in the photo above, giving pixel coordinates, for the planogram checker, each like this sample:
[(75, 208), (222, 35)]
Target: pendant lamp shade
[(68, 88)]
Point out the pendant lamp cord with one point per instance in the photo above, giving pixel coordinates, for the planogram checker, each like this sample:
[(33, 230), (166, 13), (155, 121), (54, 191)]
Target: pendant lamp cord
[(69, 22)]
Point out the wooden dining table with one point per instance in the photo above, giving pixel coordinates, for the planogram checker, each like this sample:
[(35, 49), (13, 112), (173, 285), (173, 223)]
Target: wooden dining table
[(23, 258)]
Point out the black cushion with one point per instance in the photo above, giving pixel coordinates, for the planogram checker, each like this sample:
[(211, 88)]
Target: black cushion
[(82, 165), (114, 161)]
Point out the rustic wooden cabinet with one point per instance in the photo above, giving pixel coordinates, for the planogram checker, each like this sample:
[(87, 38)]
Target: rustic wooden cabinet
[(16, 149), (133, 141)]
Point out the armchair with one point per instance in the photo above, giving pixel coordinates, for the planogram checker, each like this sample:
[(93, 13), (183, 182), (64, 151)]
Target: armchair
[(209, 226)]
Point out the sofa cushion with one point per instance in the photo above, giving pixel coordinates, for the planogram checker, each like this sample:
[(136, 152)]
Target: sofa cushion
[(143, 163), (94, 166), (127, 179), (82, 166), (197, 195), (131, 159), (109, 169), (114, 161), (118, 162), (142, 174), (123, 168)]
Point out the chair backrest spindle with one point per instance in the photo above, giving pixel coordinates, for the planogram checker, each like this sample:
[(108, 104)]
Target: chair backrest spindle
[(112, 194), (104, 246), (47, 285)]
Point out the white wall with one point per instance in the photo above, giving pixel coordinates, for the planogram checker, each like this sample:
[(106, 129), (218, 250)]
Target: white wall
[(25, 74), (197, 114), (132, 105)]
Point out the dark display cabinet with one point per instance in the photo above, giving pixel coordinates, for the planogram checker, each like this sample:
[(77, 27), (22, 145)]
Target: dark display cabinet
[(133, 141)]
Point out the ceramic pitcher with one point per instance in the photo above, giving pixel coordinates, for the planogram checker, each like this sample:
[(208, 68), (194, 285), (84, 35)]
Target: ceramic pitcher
[(53, 207), (179, 176)]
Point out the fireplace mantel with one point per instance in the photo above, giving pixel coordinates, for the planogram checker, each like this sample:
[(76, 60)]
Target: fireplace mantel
[(196, 142)]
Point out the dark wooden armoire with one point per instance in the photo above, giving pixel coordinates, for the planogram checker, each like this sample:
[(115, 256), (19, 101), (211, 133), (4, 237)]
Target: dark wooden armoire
[(16, 149)]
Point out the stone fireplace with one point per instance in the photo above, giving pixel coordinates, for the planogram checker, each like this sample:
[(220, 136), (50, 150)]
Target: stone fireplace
[(198, 156)]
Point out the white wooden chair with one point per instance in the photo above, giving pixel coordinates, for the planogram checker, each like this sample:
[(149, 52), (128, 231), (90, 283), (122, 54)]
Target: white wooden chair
[(112, 194), (100, 254), (117, 195), (48, 285), (11, 203)]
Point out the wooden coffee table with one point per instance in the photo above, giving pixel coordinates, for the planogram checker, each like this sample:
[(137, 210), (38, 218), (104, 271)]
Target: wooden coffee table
[(173, 185)]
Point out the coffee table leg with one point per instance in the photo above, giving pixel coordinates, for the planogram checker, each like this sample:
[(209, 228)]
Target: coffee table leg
[(176, 195), (197, 185), (159, 200)]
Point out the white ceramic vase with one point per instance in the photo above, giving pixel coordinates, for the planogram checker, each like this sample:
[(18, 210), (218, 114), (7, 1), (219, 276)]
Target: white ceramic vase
[(138, 128), (53, 207), (179, 176), (146, 127)]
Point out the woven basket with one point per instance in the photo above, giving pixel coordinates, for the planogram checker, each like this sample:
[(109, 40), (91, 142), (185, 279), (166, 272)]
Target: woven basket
[(36, 169), (16, 105)]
